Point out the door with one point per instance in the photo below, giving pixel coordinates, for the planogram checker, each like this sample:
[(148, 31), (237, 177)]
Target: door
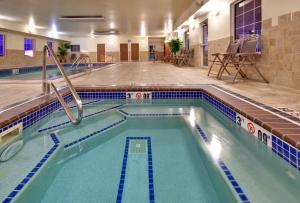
[(101, 52), (124, 52), (135, 52), (205, 42)]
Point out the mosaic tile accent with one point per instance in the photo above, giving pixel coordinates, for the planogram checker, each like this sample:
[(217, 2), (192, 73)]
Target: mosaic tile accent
[(152, 114), (286, 151), (225, 110), (68, 122), (150, 169), (243, 197), (34, 171), (94, 133), (137, 146), (177, 95)]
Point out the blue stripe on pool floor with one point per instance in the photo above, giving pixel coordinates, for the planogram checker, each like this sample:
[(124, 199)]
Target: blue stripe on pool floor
[(124, 166), (240, 193)]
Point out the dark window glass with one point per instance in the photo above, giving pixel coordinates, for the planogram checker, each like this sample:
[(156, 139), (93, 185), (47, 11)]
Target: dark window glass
[(247, 18), (2, 45), (247, 15), (50, 44), (75, 48), (29, 47)]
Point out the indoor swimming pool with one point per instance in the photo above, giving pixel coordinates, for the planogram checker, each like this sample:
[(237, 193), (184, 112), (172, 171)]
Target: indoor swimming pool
[(166, 150)]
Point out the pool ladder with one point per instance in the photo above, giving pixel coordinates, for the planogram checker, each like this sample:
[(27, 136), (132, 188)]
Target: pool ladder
[(82, 59), (46, 87)]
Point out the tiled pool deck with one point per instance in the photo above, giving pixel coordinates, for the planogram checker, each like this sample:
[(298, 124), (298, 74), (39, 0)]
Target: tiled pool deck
[(160, 74)]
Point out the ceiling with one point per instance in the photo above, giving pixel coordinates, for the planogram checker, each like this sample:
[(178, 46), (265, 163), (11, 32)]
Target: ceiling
[(132, 17)]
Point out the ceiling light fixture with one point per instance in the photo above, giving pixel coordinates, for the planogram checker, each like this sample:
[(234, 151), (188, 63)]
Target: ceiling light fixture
[(106, 32), (88, 18)]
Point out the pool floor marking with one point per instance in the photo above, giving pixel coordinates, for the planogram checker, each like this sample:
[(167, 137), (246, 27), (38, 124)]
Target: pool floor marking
[(89, 115), (124, 166), (91, 102), (94, 133), (152, 114), (31, 174), (243, 197)]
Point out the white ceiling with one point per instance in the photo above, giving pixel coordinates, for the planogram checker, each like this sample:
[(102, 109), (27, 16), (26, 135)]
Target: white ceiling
[(127, 16)]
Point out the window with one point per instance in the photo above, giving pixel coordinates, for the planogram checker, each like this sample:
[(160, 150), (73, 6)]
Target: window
[(50, 44), (2, 45), (29, 47), (187, 39), (75, 48), (247, 20)]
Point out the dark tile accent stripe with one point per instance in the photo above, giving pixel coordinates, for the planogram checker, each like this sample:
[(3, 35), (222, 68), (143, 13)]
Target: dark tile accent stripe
[(124, 165), (84, 104), (243, 197), (152, 114), (34, 171), (94, 133), (89, 115)]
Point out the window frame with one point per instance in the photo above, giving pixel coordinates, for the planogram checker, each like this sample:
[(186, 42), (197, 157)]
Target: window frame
[(234, 17), (4, 45), (33, 47)]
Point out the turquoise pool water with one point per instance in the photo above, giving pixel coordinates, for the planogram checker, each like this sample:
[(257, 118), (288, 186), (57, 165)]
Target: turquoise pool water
[(35, 73), (161, 140)]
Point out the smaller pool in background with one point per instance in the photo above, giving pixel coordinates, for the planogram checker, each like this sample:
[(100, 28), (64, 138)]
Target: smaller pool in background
[(34, 73)]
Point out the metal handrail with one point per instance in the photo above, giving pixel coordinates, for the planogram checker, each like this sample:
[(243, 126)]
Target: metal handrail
[(87, 60), (46, 87)]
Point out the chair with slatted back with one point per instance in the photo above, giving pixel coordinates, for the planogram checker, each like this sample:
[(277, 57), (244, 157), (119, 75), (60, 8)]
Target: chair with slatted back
[(221, 58), (246, 58)]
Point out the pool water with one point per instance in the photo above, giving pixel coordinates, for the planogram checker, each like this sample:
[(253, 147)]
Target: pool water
[(52, 72), (148, 152)]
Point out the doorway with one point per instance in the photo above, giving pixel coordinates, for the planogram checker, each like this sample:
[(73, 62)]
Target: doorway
[(123, 52), (205, 42), (135, 52), (101, 52)]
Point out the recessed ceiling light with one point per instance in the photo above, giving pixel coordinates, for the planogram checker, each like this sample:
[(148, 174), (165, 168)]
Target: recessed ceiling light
[(89, 18)]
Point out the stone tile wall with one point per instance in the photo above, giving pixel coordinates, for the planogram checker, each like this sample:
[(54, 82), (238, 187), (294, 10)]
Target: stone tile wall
[(280, 58)]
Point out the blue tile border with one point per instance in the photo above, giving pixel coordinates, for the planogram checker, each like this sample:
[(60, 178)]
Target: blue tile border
[(285, 151), (34, 171), (225, 110), (66, 146), (243, 197), (36, 116), (150, 169), (89, 115), (177, 95), (84, 104)]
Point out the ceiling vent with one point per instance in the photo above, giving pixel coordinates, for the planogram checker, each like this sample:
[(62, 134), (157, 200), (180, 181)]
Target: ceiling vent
[(89, 18), (106, 32)]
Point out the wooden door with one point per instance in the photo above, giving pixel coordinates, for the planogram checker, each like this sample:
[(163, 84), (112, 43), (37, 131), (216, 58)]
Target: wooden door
[(101, 52), (135, 52), (124, 52)]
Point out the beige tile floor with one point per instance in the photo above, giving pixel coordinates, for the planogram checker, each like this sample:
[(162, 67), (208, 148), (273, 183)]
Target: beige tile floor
[(158, 73)]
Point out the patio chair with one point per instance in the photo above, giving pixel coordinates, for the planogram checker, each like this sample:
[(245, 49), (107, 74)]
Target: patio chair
[(220, 58), (186, 58), (246, 58)]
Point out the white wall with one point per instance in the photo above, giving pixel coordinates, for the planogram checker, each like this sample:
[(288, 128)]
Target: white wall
[(112, 43)]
